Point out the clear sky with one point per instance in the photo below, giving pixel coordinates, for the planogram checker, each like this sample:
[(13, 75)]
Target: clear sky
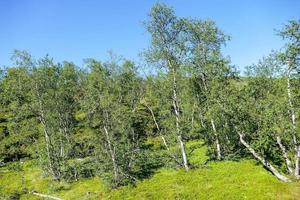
[(76, 29)]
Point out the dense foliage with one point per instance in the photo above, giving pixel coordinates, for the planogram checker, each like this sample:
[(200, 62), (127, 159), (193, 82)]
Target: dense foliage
[(107, 119)]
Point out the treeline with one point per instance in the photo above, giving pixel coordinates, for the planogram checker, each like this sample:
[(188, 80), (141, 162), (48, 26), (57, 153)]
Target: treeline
[(107, 119)]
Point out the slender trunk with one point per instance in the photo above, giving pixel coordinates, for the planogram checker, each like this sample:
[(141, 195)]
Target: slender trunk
[(42, 120), (268, 165), (112, 154), (179, 138), (47, 140), (218, 147), (202, 119), (193, 112), (285, 155), (157, 127), (45, 196), (177, 115), (293, 120), (62, 151), (53, 170), (161, 135), (292, 111), (297, 162), (46, 135), (63, 130)]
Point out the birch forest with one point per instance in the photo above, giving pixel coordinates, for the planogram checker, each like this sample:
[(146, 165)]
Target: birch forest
[(121, 122)]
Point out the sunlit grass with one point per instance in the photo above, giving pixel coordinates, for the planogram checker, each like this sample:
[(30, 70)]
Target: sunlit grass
[(216, 180)]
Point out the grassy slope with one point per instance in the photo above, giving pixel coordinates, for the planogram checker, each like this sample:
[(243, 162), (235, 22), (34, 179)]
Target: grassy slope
[(217, 180)]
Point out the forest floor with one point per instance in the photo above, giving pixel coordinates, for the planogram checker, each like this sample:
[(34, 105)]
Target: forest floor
[(215, 180)]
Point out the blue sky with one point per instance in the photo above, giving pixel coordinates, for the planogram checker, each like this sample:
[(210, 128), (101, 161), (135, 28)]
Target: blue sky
[(76, 29)]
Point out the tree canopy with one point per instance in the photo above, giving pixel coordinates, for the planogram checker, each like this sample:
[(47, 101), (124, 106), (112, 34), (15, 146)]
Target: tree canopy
[(107, 119)]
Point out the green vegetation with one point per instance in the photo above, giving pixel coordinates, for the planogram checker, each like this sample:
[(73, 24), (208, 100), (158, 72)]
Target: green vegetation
[(213, 180), (106, 131)]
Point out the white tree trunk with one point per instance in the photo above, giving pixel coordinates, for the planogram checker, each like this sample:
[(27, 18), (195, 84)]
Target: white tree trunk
[(161, 135), (268, 165), (53, 171), (42, 119), (285, 155), (179, 136), (62, 149), (218, 146), (157, 127), (293, 120), (297, 160), (45, 196), (193, 113), (112, 153)]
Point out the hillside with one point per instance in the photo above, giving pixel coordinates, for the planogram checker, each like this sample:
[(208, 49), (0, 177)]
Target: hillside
[(180, 121), (215, 180)]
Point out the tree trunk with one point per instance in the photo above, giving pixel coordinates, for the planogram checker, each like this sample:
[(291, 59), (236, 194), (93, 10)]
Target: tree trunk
[(41, 118), (268, 165), (293, 120), (179, 136), (53, 170), (297, 160), (112, 154), (45, 196), (218, 146), (193, 113), (63, 130), (161, 135), (62, 151), (285, 155), (202, 119), (157, 127)]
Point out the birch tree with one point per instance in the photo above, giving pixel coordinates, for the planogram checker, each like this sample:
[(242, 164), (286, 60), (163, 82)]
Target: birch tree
[(167, 51), (52, 102), (290, 58), (110, 102), (259, 117), (210, 72)]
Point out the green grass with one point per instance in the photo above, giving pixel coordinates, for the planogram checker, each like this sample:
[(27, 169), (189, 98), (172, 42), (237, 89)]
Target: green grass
[(216, 180), (224, 180)]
